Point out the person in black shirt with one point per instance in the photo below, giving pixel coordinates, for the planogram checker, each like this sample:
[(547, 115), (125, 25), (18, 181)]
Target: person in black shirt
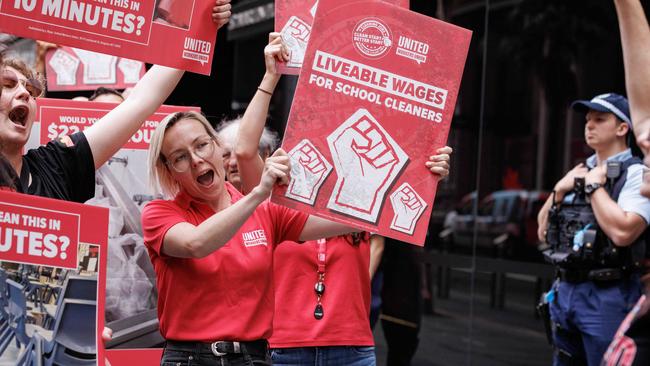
[(64, 168), (6, 180)]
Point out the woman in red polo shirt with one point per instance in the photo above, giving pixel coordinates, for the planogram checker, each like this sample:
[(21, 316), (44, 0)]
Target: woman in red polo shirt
[(322, 287), (212, 248)]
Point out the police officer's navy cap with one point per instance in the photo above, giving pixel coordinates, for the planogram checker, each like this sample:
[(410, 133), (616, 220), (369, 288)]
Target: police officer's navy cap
[(610, 102)]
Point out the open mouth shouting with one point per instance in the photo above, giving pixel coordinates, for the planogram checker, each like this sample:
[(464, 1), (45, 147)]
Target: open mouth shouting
[(206, 179), (18, 115)]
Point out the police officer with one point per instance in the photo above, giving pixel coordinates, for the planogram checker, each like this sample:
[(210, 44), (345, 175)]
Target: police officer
[(593, 224)]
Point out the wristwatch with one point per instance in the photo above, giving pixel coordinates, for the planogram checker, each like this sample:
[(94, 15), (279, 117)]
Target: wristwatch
[(592, 187)]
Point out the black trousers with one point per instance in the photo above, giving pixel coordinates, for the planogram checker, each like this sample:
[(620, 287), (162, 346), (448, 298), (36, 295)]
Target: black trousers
[(197, 354), (401, 301)]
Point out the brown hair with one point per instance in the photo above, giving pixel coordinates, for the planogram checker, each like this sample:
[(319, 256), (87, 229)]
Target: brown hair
[(24, 69), (103, 91), (355, 239), (1, 67)]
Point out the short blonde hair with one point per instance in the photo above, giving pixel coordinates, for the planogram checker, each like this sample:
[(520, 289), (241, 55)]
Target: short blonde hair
[(160, 178)]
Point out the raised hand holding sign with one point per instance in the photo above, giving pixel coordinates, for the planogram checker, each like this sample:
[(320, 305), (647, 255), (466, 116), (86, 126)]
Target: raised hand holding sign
[(296, 35), (309, 169)]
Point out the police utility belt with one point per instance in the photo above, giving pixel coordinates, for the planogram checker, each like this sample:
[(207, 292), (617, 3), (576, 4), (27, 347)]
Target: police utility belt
[(578, 247)]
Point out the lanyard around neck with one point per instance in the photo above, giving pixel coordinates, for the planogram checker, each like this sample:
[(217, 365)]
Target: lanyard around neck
[(321, 257)]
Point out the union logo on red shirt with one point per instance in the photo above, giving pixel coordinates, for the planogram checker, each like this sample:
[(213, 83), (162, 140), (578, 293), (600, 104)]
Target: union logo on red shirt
[(254, 238)]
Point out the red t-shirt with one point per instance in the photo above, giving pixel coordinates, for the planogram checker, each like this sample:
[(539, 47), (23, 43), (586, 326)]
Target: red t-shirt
[(346, 300), (227, 295)]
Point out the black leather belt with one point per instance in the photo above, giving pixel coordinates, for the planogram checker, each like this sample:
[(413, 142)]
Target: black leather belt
[(603, 274), (221, 348)]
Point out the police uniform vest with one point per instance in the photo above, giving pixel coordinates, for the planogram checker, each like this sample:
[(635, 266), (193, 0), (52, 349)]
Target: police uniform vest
[(578, 247)]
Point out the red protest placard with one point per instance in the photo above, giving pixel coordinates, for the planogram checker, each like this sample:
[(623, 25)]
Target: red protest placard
[(69, 68), (374, 100), (294, 19), (64, 248), (129, 308), (176, 33), (60, 117), (38, 236)]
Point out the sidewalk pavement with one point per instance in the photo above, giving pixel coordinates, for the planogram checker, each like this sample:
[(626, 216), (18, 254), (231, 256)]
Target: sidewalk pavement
[(511, 336)]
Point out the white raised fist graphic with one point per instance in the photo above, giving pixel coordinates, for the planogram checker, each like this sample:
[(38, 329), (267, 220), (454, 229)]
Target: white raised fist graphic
[(309, 169), (65, 66), (130, 69), (367, 162), (98, 67), (408, 206), (295, 35)]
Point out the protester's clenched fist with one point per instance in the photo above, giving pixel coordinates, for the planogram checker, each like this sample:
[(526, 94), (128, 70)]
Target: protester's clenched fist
[(277, 170), (276, 50), (296, 35), (221, 12)]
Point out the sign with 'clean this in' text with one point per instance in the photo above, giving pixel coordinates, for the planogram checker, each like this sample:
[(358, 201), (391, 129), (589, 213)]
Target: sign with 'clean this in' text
[(44, 243), (176, 33), (37, 235), (390, 78)]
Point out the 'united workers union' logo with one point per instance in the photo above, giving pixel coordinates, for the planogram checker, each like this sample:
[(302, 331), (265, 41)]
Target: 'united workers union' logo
[(372, 38)]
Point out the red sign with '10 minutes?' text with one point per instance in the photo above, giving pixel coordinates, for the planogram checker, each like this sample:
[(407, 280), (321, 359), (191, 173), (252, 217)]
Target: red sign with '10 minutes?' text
[(176, 33)]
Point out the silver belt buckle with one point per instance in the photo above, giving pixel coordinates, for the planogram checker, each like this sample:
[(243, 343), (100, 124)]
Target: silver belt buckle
[(213, 347)]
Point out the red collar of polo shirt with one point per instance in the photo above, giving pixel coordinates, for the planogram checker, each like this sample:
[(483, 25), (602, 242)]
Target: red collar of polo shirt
[(184, 200)]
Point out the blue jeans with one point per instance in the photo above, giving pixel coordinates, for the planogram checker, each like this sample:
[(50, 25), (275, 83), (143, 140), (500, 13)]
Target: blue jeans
[(586, 315), (324, 356)]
